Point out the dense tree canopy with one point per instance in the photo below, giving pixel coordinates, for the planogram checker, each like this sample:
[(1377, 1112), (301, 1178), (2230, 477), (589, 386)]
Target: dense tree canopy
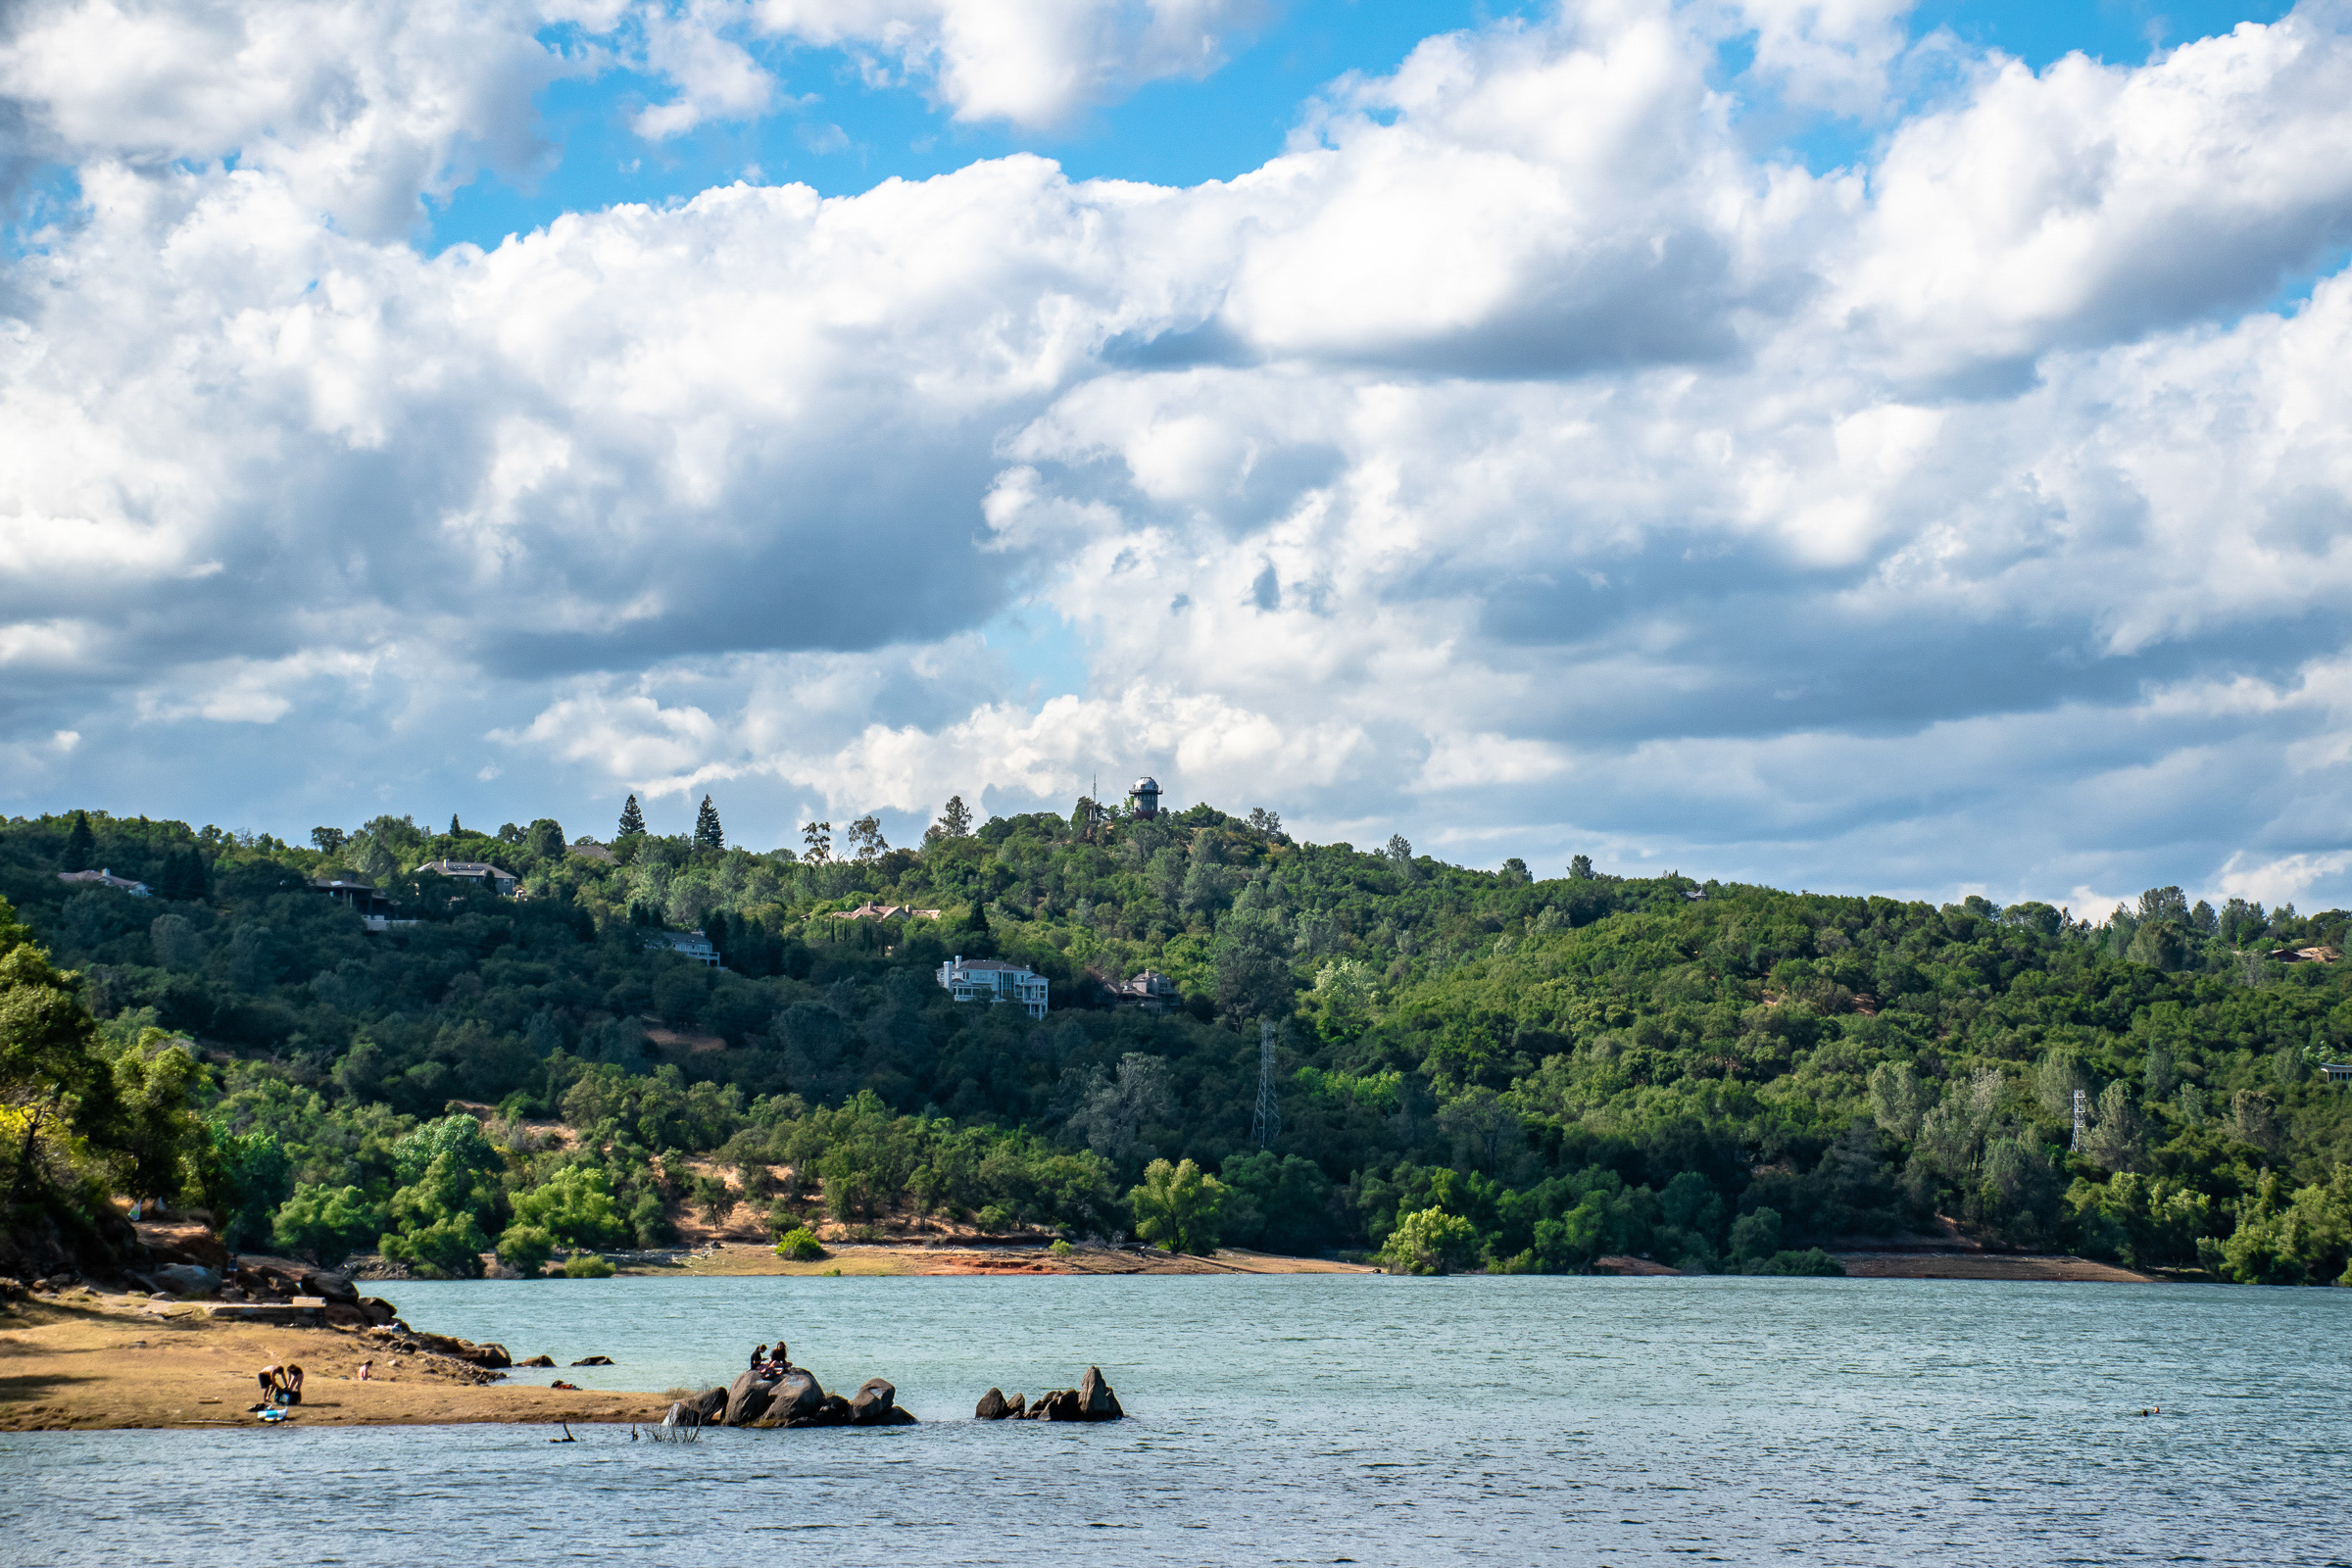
[(1507, 1071)]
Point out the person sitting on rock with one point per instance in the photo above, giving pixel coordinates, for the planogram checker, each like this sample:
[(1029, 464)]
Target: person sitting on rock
[(758, 1357), (777, 1361)]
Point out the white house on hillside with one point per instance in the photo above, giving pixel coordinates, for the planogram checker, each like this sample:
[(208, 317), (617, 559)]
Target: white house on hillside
[(107, 879), (994, 980), (686, 944)]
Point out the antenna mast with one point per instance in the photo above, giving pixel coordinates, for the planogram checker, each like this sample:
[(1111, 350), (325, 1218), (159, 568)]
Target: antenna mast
[(1266, 1125)]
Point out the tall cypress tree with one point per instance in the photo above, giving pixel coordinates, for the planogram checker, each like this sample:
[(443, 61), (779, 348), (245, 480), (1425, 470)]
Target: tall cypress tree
[(81, 844), (632, 822), (707, 834)]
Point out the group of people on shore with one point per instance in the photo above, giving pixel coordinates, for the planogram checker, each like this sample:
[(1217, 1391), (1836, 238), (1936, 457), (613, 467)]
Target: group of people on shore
[(281, 1385)]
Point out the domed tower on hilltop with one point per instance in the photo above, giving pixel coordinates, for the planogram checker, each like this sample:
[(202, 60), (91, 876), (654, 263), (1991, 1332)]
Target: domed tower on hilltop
[(1144, 797)]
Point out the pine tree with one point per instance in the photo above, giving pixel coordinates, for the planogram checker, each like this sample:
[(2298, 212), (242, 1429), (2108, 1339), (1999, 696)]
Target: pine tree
[(956, 817), (80, 843), (706, 833), (632, 822), (454, 829)]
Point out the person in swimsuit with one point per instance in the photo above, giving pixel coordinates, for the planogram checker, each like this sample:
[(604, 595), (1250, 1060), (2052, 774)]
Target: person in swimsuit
[(293, 1384), (367, 1372), (268, 1376)]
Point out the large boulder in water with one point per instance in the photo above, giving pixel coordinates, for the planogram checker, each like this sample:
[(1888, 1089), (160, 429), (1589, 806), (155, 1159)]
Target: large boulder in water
[(748, 1398), (871, 1405), (992, 1406), (1059, 1405), (709, 1407), (1096, 1401), (793, 1400)]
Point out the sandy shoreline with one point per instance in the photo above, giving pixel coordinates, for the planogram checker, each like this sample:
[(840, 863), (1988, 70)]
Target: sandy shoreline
[(84, 1361)]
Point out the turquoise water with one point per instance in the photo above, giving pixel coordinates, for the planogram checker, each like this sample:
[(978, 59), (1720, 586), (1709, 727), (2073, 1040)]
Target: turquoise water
[(1313, 1419)]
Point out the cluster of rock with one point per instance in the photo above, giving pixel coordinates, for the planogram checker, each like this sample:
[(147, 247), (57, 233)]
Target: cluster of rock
[(279, 1282), (761, 1397), (1091, 1401), (441, 1353)]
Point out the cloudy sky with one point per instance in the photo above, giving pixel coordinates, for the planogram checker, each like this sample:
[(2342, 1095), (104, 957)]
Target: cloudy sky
[(1839, 443)]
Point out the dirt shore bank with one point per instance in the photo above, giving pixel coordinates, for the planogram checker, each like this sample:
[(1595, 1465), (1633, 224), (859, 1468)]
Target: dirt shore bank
[(1986, 1266), (919, 1258), (84, 1361)]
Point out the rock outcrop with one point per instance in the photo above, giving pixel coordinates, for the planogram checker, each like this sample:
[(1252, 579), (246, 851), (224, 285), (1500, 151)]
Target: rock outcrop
[(1096, 1401), (187, 1279), (793, 1400), (1056, 1404), (748, 1398), (760, 1399), (594, 1360), (873, 1403), (1093, 1399), (708, 1406)]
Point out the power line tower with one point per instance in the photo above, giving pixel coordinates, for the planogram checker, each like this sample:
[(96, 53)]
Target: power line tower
[(2080, 1098), (1266, 1125)]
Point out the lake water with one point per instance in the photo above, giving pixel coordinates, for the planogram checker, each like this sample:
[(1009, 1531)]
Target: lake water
[(1311, 1419)]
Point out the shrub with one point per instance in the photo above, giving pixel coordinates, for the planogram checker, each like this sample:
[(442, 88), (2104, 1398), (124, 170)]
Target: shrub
[(526, 1247), (1178, 1207), (586, 1266), (1429, 1241), (1062, 1248), (1812, 1260), (799, 1244)]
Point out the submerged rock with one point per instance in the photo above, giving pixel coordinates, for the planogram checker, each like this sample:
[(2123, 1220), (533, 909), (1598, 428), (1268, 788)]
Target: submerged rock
[(594, 1360)]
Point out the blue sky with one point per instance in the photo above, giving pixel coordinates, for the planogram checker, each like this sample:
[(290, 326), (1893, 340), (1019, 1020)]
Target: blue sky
[(1771, 439), (1173, 132)]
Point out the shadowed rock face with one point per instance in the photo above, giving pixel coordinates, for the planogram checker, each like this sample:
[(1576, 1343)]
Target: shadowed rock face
[(873, 1403), (747, 1400), (992, 1406), (1096, 1401)]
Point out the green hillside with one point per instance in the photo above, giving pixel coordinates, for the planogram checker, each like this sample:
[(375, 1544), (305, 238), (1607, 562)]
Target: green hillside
[(1475, 1069)]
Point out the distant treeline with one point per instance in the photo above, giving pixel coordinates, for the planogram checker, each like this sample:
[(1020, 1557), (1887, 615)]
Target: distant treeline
[(1477, 1069)]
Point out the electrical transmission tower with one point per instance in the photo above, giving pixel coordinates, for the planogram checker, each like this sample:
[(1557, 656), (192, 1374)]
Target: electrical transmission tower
[(1266, 1125), (2080, 1098)]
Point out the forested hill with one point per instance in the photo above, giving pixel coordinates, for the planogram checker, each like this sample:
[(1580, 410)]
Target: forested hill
[(1476, 1069)]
